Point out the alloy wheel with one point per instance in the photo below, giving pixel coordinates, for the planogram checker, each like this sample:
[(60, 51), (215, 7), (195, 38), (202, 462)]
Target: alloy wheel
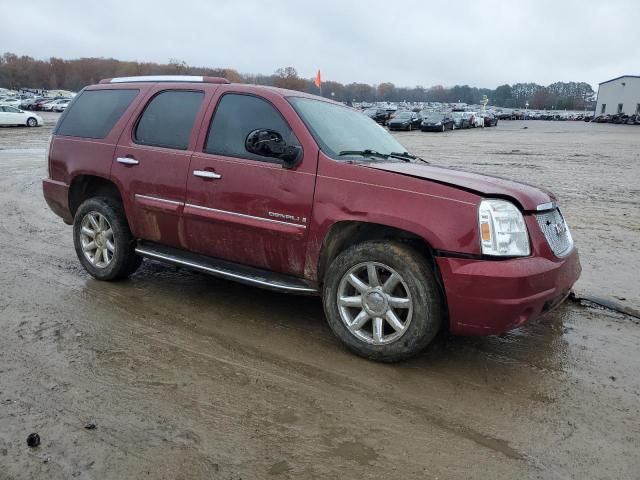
[(374, 303), (96, 239)]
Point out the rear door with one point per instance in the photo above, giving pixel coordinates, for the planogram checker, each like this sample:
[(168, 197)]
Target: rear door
[(152, 157), (243, 207)]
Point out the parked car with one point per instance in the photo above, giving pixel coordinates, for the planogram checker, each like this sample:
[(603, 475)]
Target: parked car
[(471, 119), (490, 120), (8, 100), (296, 193), (380, 115), (10, 115), (39, 104), (60, 105), (29, 103), (54, 104), (405, 120), (437, 122), (460, 120), (477, 120)]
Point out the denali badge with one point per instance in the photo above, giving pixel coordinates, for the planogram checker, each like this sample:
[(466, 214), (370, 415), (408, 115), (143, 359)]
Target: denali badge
[(284, 216)]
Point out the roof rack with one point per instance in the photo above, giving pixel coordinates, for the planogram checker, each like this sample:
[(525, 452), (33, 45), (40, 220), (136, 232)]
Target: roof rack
[(166, 78)]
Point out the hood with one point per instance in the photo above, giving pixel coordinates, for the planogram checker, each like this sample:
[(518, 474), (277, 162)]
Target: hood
[(528, 196), (400, 120)]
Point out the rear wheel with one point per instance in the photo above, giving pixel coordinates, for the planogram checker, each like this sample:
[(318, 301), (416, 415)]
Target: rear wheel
[(32, 122), (443, 128), (382, 301), (102, 239)]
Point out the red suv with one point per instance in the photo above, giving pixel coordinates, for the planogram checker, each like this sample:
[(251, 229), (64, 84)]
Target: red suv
[(296, 193)]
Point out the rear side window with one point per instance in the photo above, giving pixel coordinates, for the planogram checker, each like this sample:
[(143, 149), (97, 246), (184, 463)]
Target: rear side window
[(94, 113), (236, 117), (168, 119)]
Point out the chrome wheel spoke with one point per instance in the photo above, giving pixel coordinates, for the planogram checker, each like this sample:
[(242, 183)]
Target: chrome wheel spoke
[(394, 321), (358, 284), (360, 320), (377, 330), (94, 222), (108, 234), (110, 246), (391, 283), (372, 274), (399, 302), (351, 301), (97, 256), (89, 246), (88, 232)]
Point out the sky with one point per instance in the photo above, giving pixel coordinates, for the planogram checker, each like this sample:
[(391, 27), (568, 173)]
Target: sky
[(482, 43)]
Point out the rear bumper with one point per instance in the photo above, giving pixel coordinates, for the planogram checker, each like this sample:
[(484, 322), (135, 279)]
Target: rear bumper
[(56, 195), (487, 297)]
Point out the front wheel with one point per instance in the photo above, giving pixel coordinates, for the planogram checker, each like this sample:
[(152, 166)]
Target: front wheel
[(32, 122), (382, 300), (102, 239)]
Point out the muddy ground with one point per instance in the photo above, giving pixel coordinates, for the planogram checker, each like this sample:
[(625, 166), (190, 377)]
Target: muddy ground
[(187, 376)]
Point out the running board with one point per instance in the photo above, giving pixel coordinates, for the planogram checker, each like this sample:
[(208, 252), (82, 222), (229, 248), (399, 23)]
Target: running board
[(224, 269)]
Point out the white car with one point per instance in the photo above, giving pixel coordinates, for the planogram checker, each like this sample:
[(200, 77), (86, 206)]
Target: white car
[(49, 106), (10, 115), (6, 100), (478, 120), (60, 105)]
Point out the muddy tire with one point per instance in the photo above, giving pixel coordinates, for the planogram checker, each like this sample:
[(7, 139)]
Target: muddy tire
[(103, 240), (381, 299)]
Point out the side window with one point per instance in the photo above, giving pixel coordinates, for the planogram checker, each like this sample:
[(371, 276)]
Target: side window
[(236, 116), (95, 112), (168, 119)]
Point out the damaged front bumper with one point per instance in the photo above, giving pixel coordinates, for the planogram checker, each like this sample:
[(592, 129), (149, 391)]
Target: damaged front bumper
[(487, 297)]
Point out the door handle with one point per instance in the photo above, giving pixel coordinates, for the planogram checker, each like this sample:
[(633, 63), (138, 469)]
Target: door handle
[(207, 174), (127, 161)]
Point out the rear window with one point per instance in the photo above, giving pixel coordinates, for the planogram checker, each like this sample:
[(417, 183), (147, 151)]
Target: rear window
[(95, 112), (168, 119)]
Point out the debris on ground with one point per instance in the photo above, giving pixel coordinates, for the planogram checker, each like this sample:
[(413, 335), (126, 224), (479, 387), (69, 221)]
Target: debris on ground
[(90, 426), (33, 440)]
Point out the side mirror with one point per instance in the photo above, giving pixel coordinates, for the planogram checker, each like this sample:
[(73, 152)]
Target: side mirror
[(269, 143)]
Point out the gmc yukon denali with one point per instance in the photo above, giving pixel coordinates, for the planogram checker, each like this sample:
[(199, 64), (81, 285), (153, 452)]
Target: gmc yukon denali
[(299, 194)]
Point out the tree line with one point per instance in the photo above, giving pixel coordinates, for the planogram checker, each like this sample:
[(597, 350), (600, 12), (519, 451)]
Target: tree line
[(56, 73)]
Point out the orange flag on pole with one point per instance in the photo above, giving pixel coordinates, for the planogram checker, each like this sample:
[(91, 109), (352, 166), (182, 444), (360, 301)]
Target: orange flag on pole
[(318, 82)]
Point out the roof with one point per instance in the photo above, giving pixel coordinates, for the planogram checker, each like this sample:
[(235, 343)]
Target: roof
[(618, 78)]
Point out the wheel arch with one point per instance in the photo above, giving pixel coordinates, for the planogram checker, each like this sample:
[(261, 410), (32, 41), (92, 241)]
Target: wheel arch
[(84, 186), (343, 234)]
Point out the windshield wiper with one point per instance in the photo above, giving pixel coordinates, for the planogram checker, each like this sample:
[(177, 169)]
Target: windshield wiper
[(406, 156), (364, 153)]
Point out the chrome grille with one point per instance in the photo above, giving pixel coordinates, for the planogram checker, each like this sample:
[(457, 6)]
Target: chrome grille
[(556, 232)]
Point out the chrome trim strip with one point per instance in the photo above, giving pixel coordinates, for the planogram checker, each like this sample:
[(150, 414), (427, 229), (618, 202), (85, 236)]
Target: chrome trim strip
[(159, 78), (223, 273), (147, 197), (546, 206), (243, 215)]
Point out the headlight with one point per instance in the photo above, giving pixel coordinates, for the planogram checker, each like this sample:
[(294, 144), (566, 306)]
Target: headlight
[(438, 124), (502, 229)]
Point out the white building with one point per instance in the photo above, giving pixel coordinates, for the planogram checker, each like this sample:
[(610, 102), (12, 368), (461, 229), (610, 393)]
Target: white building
[(619, 95)]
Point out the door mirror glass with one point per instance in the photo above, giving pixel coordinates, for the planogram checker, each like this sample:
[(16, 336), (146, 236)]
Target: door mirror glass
[(269, 143)]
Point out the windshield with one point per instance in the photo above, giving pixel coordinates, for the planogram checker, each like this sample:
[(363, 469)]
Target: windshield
[(403, 115), (337, 129), (370, 111), (434, 117)]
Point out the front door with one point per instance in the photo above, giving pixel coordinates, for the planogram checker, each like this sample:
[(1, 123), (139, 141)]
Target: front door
[(152, 161), (244, 207)]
